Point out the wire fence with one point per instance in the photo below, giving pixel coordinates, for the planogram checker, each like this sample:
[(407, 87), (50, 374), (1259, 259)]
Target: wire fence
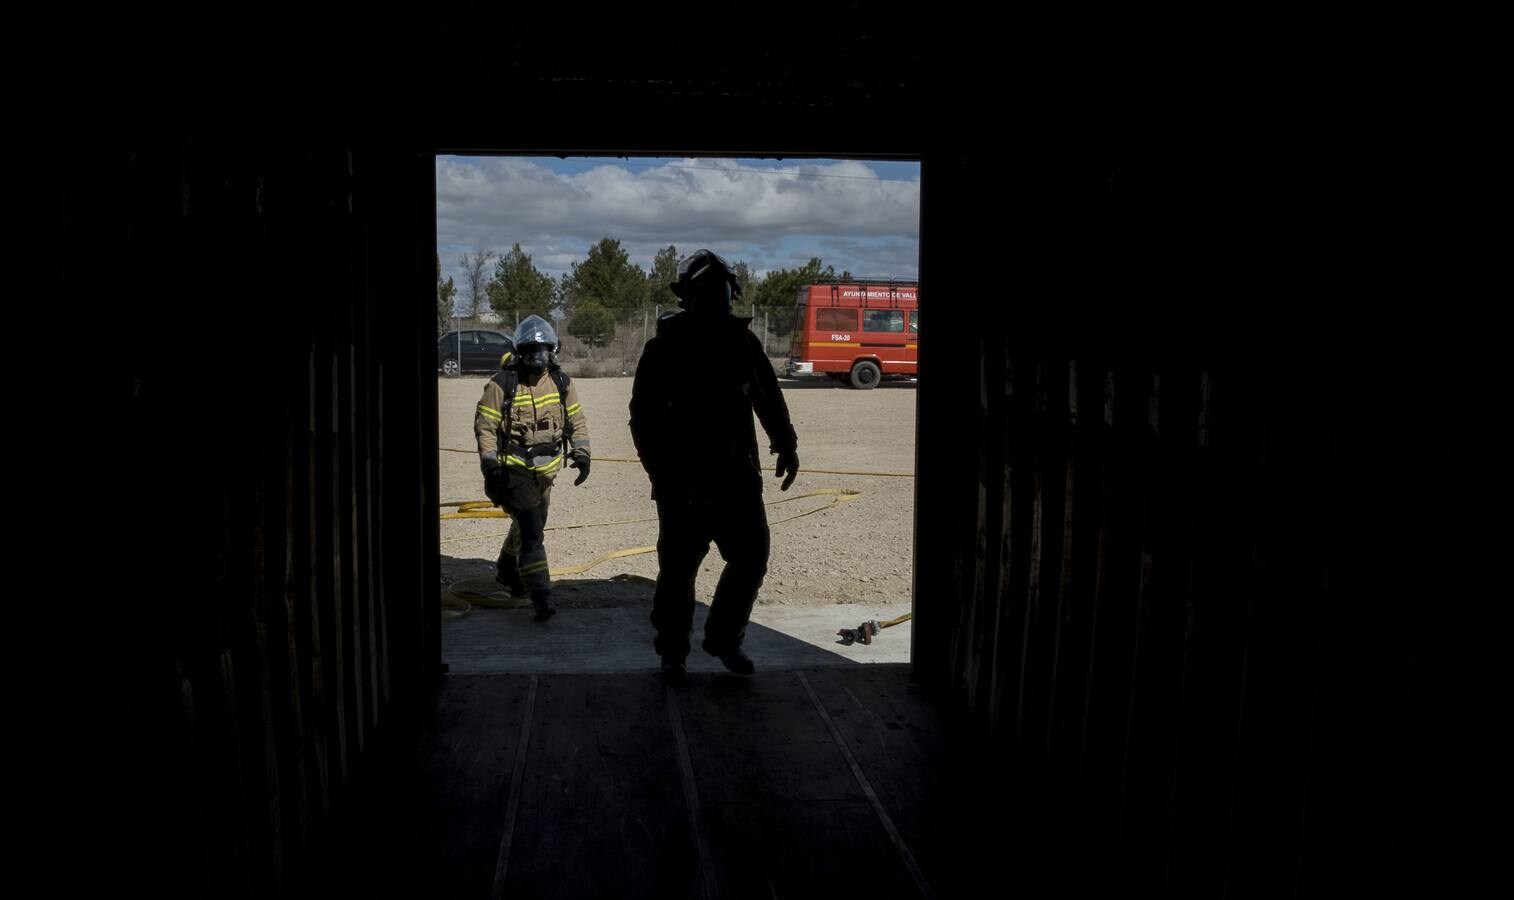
[(617, 350)]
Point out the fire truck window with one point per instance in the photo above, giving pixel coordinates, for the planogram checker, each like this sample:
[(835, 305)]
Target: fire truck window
[(914, 322), (835, 319), (883, 320)]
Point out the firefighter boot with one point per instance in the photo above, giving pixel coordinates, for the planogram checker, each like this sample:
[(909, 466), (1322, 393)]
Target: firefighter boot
[(674, 671), (732, 658), (541, 601), (507, 576), (513, 586)]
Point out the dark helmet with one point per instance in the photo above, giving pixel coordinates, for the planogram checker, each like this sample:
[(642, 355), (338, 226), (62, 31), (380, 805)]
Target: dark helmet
[(706, 282), (535, 343)]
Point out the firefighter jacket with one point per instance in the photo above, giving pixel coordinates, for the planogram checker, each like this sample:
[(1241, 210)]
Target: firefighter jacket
[(538, 415), (697, 385)]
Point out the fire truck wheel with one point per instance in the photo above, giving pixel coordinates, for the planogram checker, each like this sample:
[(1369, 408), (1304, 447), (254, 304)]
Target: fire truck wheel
[(865, 375)]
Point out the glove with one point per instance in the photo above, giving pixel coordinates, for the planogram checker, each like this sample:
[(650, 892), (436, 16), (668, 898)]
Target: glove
[(492, 484), (580, 461), (788, 461)]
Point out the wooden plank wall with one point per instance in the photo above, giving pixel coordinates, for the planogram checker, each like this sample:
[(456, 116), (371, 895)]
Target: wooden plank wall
[(1176, 540), (264, 387)]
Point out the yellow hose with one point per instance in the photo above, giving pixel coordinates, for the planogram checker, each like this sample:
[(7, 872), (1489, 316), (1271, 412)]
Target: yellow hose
[(618, 459), (837, 495), (483, 509)]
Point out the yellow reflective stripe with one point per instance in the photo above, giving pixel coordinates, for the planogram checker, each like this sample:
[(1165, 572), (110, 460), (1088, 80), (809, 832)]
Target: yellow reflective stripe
[(528, 400), (531, 568), (544, 469), (524, 396), (574, 408), (489, 413)]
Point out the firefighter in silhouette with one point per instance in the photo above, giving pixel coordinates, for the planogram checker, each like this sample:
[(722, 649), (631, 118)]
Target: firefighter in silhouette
[(697, 385), (528, 424)]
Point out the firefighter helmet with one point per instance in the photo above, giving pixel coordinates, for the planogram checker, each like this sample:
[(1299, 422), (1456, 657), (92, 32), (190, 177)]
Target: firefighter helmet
[(535, 343), (705, 281)]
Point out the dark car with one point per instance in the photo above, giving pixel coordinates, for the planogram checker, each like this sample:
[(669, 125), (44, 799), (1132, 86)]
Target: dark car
[(471, 351)]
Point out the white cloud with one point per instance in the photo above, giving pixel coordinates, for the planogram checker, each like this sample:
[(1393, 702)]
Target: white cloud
[(852, 218)]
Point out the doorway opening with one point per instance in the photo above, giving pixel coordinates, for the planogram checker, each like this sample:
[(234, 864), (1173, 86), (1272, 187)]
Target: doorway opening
[(589, 245)]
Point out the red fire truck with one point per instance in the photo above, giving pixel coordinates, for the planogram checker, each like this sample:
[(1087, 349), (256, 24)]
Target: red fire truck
[(856, 332)]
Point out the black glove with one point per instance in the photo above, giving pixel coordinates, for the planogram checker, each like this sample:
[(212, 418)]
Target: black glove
[(493, 484), (788, 461), (580, 461)]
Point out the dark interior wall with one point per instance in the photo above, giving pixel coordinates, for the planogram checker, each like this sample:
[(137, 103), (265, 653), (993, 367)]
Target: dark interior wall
[(266, 398), (1199, 592)]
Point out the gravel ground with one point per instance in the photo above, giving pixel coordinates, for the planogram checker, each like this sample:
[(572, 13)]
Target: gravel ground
[(853, 551)]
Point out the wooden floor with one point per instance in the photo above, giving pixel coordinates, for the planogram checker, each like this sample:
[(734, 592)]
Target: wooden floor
[(824, 782)]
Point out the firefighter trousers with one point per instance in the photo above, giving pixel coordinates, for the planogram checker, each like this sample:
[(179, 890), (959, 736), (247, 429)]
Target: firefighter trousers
[(687, 522), (522, 564)]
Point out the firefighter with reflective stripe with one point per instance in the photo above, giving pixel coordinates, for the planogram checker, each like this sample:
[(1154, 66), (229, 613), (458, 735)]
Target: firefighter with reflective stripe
[(697, 385), (529, 424)]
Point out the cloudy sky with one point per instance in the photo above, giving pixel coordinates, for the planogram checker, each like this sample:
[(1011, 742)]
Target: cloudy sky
[(857, 216)]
